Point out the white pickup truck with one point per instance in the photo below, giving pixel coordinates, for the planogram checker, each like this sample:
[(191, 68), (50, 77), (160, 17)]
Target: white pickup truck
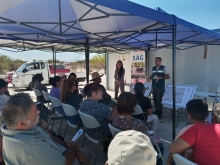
[(23, 76)]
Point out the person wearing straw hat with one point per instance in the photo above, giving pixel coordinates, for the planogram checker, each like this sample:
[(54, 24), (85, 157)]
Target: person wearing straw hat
[(96, 78)]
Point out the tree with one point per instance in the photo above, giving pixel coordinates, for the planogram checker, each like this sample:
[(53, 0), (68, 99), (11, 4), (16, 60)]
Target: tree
[(97, 62), (50, 61), (9, 64)]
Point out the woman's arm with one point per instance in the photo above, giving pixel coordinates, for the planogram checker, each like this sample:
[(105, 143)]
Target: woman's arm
[(113, 115), (122, 76), (115, 75)]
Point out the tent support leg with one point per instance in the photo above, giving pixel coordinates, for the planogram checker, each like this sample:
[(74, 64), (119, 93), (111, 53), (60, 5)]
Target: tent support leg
[(174, 79), (87, 61)]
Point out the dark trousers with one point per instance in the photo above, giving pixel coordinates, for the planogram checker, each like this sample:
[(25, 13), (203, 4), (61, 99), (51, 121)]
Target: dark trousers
[(117, 87), (157, 96)]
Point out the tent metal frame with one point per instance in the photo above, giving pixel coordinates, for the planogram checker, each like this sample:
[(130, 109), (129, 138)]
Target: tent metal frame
[(149, 37)]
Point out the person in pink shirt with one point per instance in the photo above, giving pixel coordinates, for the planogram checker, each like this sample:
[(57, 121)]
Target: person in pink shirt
[(203, 138)]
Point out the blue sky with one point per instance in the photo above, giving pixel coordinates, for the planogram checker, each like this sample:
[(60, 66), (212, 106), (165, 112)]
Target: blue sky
[(204, 13)]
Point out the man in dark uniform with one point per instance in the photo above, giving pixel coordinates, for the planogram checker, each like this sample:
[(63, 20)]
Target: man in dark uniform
[(158, 76)]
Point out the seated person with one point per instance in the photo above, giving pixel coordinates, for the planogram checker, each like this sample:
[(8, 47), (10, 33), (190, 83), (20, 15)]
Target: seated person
[(3, 89), (68, 96), (203, 138), (197, 112), (145, 104), (73, 76), (130, 148), (106, 98), (36, 80), (125, 107), (124, 121), (56, 83), (100, 111), (25, 143), (55, 91)]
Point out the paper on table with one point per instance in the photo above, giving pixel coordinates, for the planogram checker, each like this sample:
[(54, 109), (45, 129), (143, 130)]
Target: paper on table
[(77, 135)]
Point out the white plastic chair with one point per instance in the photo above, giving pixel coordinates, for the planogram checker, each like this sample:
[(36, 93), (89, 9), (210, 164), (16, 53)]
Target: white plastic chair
[(47, 99), (114, 130), (180, 112), (202, 88), (138, 111), (37, 92), (179, 160), (70, 111), (56, 103), (46, 96), (90, 122)]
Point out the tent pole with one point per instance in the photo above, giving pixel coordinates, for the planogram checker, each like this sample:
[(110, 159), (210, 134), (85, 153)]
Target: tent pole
[(60, 21), (106, 69), (105, 61), (147, 63), (55, 62), (87, 60), (174, 78)]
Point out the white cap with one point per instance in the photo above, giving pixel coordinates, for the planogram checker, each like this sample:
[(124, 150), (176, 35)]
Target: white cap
[(131, 148)]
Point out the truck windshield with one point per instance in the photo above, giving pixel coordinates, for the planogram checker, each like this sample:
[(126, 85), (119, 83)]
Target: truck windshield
[(21, 68)]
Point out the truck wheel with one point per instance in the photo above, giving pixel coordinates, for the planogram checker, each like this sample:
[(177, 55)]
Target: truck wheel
[(31, 85)]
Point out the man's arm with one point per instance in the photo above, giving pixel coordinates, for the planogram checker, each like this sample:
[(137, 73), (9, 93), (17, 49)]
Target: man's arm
[(178, 146), (72, 151), (167, 76), (150, 78)]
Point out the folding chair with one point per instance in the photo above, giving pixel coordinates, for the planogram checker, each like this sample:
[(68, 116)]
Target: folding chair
[(114, 130), (179, 160), (90, 122), (202, 88), (37, 92), (56, 103), (47, 99), (70, 111), (180, 112), (138, 111)]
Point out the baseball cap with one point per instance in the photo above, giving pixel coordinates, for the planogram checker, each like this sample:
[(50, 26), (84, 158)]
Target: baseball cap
[(131, 147), (3, 83)]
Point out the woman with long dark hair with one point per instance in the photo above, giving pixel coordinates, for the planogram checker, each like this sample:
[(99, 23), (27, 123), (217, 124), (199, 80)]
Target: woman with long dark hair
[(119, 78), (68, 96)]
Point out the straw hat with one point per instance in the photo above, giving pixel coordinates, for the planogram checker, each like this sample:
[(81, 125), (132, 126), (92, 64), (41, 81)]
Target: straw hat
[(95, 75)]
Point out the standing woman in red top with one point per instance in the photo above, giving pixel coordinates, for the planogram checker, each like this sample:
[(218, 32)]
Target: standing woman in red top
[(119, 78)]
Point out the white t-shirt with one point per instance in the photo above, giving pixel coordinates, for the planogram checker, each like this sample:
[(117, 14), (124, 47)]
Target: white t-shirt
[(164, 70), (3, 99)]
